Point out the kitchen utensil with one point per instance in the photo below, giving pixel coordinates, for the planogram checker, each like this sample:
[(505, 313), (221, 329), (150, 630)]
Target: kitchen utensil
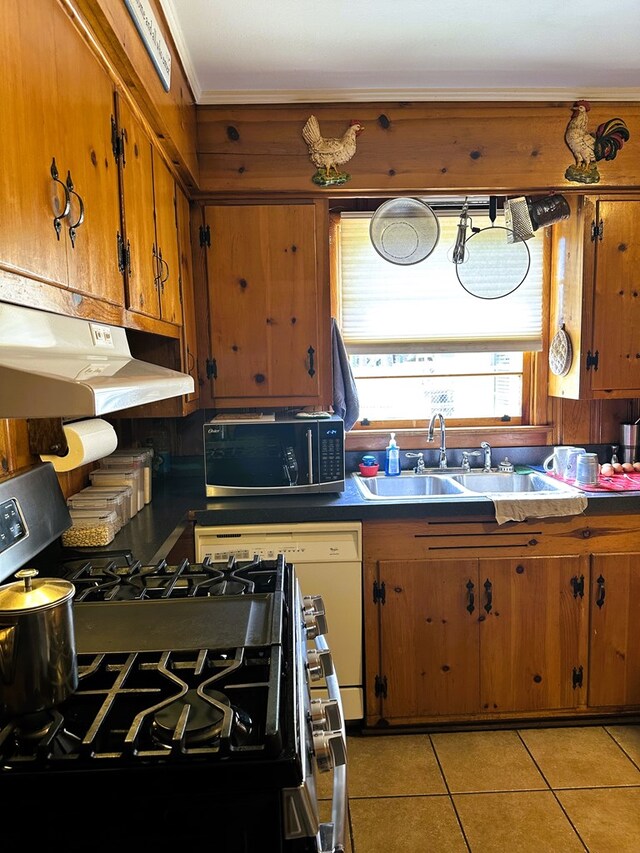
[(38, 665), (524, 215), (560, 353), (491, 267), (404, 231), (570, 470)]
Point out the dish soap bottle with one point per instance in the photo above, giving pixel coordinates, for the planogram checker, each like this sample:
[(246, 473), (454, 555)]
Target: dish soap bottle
[(392, 458)]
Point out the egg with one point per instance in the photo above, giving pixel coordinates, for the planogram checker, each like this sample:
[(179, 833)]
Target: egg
[(636, 466), (617, 467), (627, 467), (606, 469)]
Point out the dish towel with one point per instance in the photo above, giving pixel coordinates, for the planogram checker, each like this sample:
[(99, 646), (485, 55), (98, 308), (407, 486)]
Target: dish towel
[(345, 394), (511, 508)]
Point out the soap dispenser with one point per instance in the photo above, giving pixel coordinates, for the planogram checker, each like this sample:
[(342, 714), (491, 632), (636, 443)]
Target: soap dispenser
[(392, 458)]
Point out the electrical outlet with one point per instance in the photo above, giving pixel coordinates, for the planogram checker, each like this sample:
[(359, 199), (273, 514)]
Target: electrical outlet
[(101, 335)]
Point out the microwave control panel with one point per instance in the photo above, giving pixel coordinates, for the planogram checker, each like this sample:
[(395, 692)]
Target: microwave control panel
[(331, 460)]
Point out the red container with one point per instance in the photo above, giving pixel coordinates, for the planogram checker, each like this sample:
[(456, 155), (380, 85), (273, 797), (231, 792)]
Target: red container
[(369, 470)]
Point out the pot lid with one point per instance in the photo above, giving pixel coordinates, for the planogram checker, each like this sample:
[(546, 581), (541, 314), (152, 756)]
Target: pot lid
[(28, 595)]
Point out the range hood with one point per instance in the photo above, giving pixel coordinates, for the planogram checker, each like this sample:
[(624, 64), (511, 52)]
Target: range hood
[(55, 366)]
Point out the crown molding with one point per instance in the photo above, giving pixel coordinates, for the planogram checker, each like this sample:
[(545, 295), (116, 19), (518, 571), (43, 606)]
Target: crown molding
[(319, 96)]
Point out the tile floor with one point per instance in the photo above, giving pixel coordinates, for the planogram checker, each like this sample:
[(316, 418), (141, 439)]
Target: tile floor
[(547, 790)]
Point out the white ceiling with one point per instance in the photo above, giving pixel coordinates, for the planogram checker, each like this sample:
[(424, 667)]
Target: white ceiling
[(296, 51)]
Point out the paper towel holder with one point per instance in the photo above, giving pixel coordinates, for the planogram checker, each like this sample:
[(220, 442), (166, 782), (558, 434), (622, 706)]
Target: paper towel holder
[(47, 436)]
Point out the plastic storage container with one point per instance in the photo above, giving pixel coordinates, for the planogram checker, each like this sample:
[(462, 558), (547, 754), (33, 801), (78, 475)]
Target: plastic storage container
[(101, 501), (392, 458), (121, 493), (90, 528), (115, 477), (139, 458)]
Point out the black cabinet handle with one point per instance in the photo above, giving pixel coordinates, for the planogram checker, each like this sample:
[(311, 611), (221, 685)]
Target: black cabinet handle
[(311, 371), (601, 592), (73, 228), (470, 597), (489, 593), (57, 219)]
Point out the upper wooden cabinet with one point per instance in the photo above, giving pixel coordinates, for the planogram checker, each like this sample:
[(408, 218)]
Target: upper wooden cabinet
[(149, 229), (268, 304), (596, 297), (59, 177)]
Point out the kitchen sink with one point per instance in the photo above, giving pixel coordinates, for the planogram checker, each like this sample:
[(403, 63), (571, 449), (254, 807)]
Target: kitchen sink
[(408, 486), (411, 487), (487, 482)]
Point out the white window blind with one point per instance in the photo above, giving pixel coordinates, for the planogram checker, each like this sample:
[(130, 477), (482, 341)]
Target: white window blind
[(385, 307)]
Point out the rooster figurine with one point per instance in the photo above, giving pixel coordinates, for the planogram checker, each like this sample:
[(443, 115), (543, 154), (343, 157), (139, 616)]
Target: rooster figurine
[(328, 153), (588, 147)]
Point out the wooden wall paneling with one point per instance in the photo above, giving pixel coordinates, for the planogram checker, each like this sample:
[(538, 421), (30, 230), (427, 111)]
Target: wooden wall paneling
[(472, 147)]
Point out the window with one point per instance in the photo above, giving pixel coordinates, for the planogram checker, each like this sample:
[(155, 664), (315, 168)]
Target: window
[(418, 341)]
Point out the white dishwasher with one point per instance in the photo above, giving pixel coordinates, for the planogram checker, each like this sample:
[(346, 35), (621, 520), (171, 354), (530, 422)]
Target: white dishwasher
[(328, 562)]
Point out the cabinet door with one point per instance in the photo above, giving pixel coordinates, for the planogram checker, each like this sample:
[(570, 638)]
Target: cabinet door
[(614, 651), (164, 193), (429, 638), (139, 225), (263, 295), (85, 99), (57, 104), (533, 633), (189, 329), (616, 316)]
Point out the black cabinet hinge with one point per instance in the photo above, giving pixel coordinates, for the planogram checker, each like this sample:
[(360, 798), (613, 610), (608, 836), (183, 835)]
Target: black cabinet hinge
[(205, 236), (379, 592), (117, 145), (578, 586), (212, 368), (380, 686), (124, 254), (597, 231), (576, 677), (592, 360)]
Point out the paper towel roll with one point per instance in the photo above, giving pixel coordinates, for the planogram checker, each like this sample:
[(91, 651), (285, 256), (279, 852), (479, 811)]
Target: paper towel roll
[(88, 440)]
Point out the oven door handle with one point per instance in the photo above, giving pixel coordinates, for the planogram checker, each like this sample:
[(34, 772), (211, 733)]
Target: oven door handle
[(332, 835)]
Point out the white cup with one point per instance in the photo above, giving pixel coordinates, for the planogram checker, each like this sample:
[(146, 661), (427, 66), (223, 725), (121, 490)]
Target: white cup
[(557, 462), (571, 468)]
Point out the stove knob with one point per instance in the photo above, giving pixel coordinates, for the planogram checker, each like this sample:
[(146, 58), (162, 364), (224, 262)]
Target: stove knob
[(325, 714), (320, 664), (314, 616), (330, 750)]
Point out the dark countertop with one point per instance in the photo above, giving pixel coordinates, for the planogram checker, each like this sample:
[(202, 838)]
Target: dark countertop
[(178, 500)]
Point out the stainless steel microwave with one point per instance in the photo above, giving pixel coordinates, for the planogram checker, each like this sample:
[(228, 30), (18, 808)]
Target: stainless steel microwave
[(277, 457)]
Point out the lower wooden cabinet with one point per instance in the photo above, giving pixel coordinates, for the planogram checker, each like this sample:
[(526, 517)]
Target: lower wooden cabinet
[(471, 637), (614, 655), (535, 632)]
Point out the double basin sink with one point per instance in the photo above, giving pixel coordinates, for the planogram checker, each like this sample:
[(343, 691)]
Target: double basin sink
[(451, 483)]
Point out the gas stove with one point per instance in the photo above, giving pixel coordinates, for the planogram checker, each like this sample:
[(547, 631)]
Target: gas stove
[(193, 705)]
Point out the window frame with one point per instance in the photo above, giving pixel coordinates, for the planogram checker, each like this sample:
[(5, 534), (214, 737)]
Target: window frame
[(533, 427)]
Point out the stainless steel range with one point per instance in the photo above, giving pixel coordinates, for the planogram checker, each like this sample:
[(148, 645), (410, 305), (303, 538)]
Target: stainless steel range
[(192, 714)]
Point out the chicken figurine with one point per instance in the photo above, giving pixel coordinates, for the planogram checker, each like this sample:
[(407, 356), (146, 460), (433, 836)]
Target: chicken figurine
[(327, 153), (588, 147)]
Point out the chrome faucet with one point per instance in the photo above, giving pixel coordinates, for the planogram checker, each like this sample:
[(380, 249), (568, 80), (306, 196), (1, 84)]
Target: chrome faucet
[(466, 465), (487, 455), (442, 463)]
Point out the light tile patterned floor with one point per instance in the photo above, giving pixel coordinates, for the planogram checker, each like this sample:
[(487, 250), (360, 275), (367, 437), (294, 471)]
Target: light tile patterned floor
[(537, 790)]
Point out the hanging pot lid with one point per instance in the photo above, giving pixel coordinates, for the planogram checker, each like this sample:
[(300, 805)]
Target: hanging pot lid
[(404, 231)]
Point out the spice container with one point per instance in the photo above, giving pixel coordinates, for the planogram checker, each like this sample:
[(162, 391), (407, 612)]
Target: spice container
[(115, 477), (90, 528)]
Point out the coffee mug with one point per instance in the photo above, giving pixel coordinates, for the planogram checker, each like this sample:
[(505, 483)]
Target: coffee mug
[(557, 462), (571, 467)]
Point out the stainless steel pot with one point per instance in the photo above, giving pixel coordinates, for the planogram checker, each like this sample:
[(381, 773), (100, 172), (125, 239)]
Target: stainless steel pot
[(38, 663)]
